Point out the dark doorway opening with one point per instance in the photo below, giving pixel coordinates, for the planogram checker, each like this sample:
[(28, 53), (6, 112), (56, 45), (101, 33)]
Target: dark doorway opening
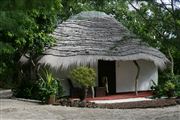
[(107, 69)]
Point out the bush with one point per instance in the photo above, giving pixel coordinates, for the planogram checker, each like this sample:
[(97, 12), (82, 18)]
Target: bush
[(158, 91), (48, 85), (26, 89), (85, 77), (169, 86), (40, 89), (176, 81)]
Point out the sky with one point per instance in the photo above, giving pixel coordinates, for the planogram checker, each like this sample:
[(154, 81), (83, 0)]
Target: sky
[(167, 2), (176, 3)]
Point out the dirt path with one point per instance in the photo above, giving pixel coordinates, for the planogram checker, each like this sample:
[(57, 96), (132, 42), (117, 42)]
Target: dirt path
[(20, 110)]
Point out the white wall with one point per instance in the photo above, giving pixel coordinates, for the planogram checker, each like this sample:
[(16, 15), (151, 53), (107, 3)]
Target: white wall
[(62, 75), (126, 72), (125, 76)]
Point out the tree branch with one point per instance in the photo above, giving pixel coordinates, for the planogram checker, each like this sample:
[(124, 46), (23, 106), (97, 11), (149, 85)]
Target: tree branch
[(164, 6), (146, 20), (137, 76), (172, 61)]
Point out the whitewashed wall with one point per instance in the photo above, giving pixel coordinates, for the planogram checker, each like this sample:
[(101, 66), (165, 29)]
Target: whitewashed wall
[(62, 75), (125, 76), (126, 72)]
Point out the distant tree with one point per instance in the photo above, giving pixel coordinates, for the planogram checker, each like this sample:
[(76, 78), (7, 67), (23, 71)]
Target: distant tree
[(159, 25), (25, 25), (24, 30)]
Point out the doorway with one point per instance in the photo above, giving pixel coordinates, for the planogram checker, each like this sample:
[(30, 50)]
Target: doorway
[(106, 69)]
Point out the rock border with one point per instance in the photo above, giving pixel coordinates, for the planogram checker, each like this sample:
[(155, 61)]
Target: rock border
[(128, 105)]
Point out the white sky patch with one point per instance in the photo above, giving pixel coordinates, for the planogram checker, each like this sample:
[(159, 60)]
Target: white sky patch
[(168, 3), (149, 12), (136, 4)]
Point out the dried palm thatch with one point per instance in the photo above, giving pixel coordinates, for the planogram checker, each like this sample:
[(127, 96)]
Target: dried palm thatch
[(91, 36)]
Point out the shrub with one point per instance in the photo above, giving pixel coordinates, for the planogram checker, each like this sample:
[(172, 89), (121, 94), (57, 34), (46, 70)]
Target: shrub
[(176, 81), (39, 89), (158, 91), (85, 77), (26, 89), (169, 86), (48, 85)]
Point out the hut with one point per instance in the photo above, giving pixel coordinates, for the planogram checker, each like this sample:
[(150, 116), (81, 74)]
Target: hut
[(98, 40)]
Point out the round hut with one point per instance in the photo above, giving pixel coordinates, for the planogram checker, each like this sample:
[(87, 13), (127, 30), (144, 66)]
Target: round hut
[(98, 40)]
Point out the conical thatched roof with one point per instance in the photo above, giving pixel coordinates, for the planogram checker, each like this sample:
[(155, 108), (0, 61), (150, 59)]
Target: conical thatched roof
[(91, 36)]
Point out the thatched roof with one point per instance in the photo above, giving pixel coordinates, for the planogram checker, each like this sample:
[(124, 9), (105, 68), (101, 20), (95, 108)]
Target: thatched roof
[(91, 36)]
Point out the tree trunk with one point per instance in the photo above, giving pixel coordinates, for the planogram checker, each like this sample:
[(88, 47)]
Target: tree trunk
[(92, 88), (172, 62), (137, 76), (83, 94)]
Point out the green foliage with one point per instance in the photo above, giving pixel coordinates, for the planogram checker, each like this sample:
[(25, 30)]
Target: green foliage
[(7, 5), (84, 76), (26, 89), (157, 25), (25, 26), (175, 79), (6, 64), (48, 85), (24, 29), (169, 85), (40, 89), (72, 7), (27, 31), (158, 91)]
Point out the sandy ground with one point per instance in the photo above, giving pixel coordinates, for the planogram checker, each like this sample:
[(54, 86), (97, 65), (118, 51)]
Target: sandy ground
[(5, 93), (11, 109)]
